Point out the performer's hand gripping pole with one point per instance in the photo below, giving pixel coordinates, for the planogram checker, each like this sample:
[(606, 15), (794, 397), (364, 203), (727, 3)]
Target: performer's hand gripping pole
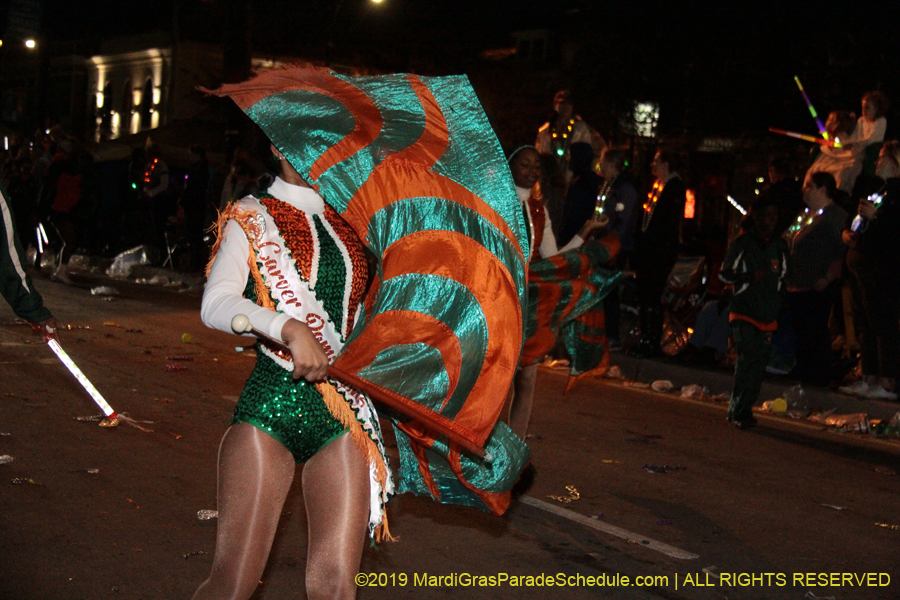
[(241, 324), (430, 419), (111, 416)]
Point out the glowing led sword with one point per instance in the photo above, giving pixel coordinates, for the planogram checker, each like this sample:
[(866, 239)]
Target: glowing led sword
[(812, 109), (82, 379), (85, 383), (41, 235), (806, 138), (735, 204)]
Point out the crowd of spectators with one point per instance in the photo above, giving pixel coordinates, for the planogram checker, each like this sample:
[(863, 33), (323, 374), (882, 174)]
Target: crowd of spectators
[(837, 220), (65, 201), (52, 183)]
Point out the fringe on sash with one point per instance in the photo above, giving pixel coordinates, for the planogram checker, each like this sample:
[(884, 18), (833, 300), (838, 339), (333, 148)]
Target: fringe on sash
[(246, 219), (341, 410)]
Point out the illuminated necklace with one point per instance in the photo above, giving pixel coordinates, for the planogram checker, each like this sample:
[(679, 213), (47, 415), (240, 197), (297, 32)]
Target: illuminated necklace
[(650, 204), (803, 221), (602, 196), (560, 141), (148, 174)]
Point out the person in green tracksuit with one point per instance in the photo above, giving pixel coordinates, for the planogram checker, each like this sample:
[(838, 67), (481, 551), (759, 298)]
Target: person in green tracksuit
[(755, 265), (15, 284)]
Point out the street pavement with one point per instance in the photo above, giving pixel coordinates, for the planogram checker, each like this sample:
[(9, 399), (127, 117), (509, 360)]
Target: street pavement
[(715, 381)]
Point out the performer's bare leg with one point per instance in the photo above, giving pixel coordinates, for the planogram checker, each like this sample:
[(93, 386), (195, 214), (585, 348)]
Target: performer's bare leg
[(523, 400), (255, 475), (336, 492)]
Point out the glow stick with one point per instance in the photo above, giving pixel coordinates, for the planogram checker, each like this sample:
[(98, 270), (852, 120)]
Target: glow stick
[(812, 109), (40, 242), (87, 385), (735, 204), (806, 138)]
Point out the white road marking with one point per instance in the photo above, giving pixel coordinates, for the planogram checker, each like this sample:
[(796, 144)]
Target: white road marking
[(618, 532)]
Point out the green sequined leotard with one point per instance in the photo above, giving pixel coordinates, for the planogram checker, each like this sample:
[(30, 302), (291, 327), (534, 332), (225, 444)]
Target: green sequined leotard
[(290, 411)]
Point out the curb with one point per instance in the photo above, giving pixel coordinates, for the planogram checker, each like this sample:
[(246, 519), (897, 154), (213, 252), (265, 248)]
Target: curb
[(820, 398)]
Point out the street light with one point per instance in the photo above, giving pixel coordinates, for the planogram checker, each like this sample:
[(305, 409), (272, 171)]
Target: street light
[(30, 44)]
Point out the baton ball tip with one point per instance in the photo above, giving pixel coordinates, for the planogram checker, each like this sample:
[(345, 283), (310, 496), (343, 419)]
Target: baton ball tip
[(240, 324)]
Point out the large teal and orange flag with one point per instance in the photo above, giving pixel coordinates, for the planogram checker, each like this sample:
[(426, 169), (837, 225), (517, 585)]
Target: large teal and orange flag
[(412, 164), (565, 302)]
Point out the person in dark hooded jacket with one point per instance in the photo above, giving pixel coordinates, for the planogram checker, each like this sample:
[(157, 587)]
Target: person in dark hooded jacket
[(755, 265)]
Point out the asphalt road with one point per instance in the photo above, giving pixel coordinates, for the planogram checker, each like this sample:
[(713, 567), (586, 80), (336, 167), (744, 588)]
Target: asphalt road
[(94, 513)]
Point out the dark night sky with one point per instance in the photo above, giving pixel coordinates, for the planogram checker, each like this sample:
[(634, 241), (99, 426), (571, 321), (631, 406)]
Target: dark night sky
[(718, 68)]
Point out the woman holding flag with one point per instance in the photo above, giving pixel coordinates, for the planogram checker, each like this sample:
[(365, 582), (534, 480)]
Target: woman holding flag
[(438, 334), (524, 163), (282, 418)]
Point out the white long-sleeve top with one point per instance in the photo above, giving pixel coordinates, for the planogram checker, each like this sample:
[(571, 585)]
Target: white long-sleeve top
[(868, 132), (548, 246), (846, 163), (223, 296)]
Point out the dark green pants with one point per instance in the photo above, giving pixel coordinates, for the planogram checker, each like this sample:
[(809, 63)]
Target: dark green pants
[(752, 347)]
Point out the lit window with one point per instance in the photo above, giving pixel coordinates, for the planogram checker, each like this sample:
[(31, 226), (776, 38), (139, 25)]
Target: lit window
[(646, 116)]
